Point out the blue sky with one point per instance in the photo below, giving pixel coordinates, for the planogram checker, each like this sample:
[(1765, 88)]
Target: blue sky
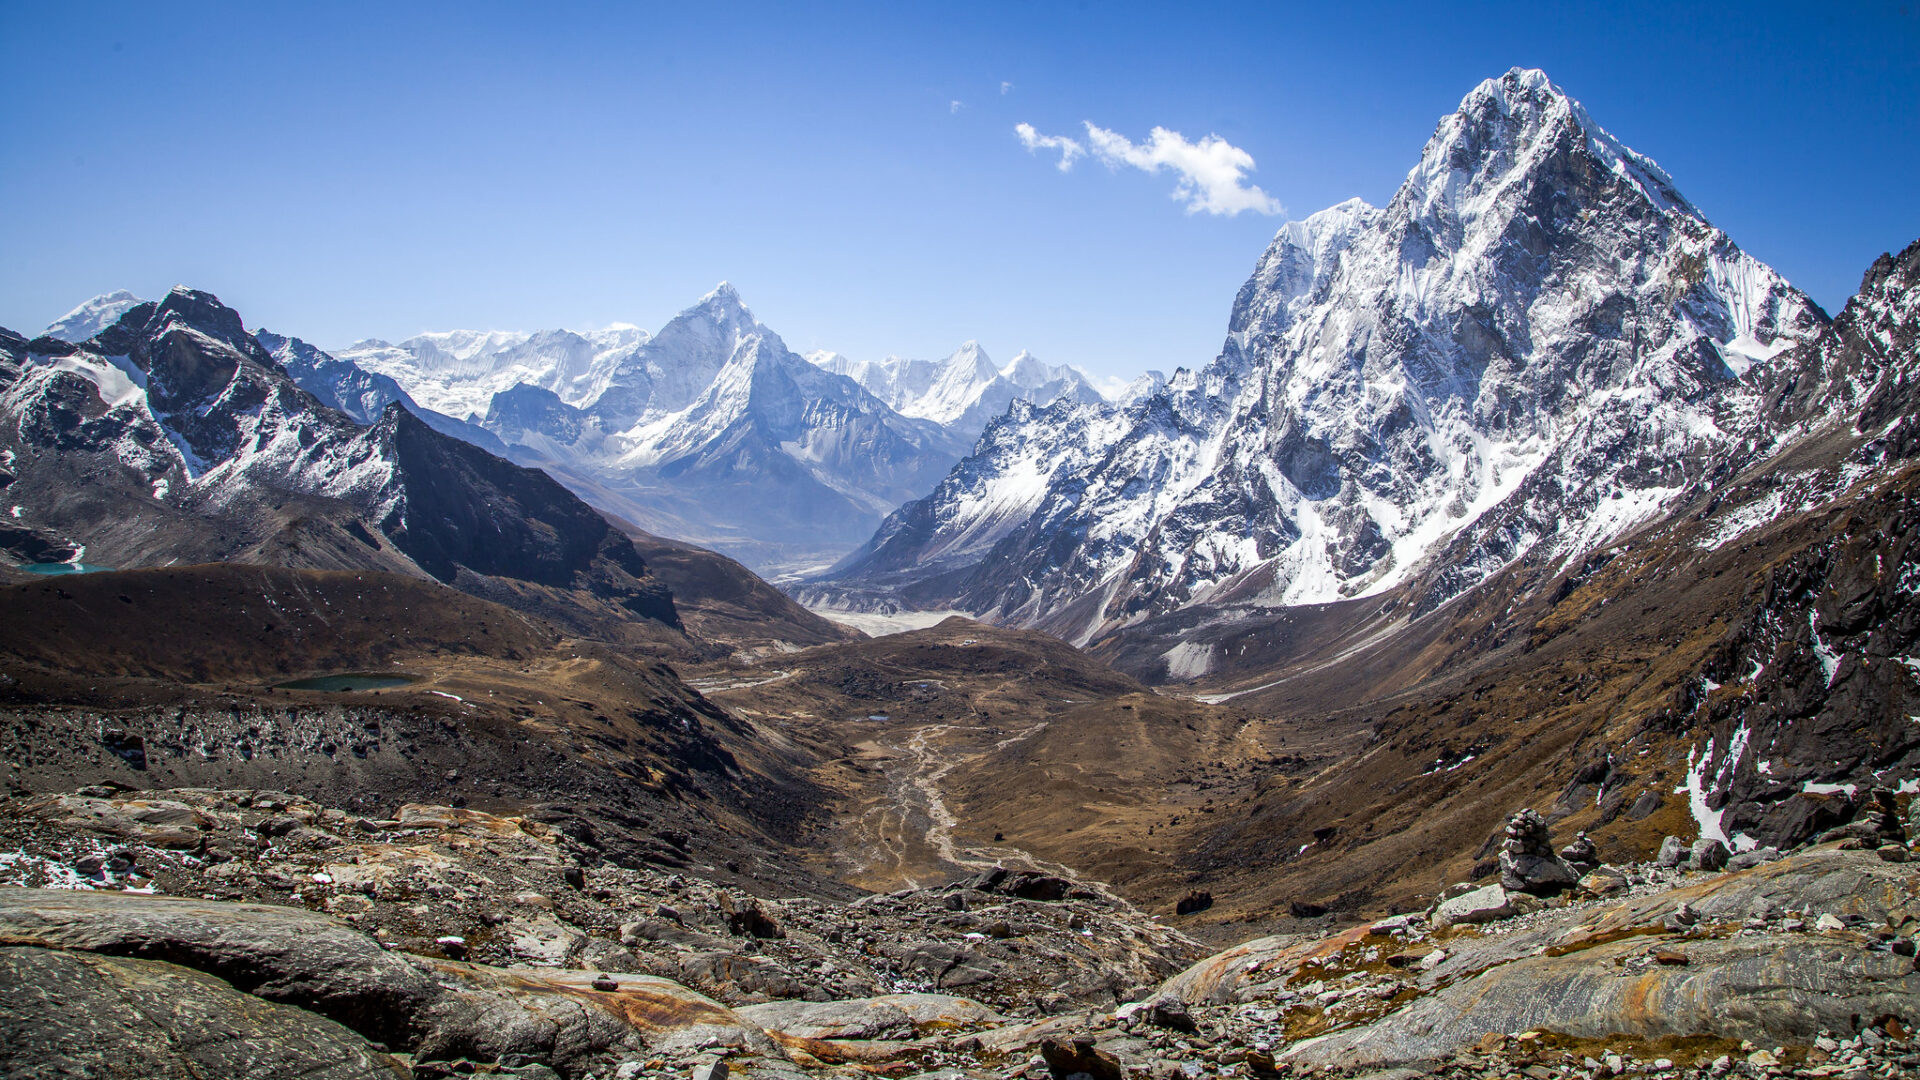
[(340, 171)]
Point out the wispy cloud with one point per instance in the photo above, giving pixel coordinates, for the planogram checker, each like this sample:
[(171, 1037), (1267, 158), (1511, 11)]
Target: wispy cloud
[(955, 106), (1006, 88), (1212, 173), (1033, 140)]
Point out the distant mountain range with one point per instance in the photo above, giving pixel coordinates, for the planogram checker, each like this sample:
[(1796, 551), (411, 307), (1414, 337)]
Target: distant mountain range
[(711, 431), (172, 435), (966, 391)]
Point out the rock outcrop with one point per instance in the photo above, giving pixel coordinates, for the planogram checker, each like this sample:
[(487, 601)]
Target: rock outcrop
[(80, 1014)]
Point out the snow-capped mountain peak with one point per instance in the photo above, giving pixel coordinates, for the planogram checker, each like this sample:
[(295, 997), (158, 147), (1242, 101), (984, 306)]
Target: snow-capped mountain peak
[(92, 317), (1537, 330), (1027, 372)]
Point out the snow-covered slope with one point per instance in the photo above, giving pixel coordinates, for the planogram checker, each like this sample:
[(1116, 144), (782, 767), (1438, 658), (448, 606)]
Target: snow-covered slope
[(965, 391), (91, 317), (458, 372), (1536, 322)]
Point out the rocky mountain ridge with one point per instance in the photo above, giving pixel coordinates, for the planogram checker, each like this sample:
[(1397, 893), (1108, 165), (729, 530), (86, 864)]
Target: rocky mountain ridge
[(195, 445)]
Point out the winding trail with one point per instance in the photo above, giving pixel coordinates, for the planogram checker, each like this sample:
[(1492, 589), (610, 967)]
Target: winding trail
[(709, 686), (913, 828)]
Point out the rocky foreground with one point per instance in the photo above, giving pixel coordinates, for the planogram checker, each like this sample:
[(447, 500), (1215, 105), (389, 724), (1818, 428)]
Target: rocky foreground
[(244, 933)]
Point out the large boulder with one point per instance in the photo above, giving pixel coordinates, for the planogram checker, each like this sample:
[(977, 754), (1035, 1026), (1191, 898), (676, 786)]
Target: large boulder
[(1708, 854), (1484, 904), (286, 955), (162, 823), (83, 1014)]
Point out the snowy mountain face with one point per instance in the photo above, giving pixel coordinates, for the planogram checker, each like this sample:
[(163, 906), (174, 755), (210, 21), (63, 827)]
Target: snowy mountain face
[(1538, 341), (92, 317), (362, 395), (339, 384), (457, 373), (966, 391), (197, 445), (711, 430)]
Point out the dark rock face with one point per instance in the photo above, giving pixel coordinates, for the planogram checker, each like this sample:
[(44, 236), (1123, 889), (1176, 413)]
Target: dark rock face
[(75, 1014), (1821, 693), (465, 508), (526, 411)]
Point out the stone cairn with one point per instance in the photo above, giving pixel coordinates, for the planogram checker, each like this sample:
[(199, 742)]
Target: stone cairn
[(1527, 860), (1581, 856)]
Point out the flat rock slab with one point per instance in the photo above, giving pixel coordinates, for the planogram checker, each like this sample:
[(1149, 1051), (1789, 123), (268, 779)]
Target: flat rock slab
[(1765, 987), (559, 1016), (859, 1018), (1824, 880), (285, 955), (888, 1016), (159, 822), (1220, 978), (79, 1014), (943, 1012)]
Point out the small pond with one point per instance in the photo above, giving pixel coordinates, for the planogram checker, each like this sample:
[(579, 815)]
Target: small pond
[(353, 680), (64, 568)]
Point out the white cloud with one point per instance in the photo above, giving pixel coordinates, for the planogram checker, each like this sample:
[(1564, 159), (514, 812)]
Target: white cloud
[(955, 106), (1212, 172), (1033, 140), (1006, 88)]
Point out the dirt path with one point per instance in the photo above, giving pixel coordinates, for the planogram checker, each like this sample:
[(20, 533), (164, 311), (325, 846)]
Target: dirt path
[(906, 838), (716, 685)]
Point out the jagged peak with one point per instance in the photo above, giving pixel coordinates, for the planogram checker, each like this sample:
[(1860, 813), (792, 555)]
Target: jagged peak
[(721, 306), (724, 297), (1027, 370), (1507, 125), (202, 311), (1338, 218), (973, 359)]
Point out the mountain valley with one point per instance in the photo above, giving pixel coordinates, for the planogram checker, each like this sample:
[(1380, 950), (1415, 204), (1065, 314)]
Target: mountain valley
[(1502, 659)]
